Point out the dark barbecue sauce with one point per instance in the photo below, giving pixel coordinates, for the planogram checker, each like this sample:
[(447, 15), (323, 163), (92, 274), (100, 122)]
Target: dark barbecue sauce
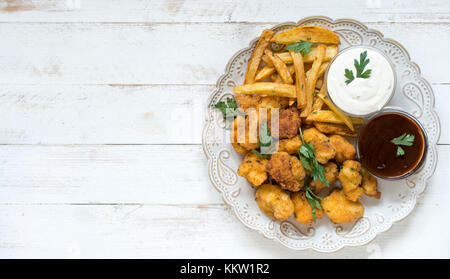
[(379, 155)]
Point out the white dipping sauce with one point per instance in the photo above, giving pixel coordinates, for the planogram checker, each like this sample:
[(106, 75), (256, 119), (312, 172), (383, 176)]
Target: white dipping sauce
[(362, 96)]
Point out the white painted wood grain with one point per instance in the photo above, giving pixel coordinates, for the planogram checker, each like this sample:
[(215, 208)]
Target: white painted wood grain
[(55, 221), (134, 231), (153, 53), (103, 114), (143, 174), (157, 174), (226, 11)]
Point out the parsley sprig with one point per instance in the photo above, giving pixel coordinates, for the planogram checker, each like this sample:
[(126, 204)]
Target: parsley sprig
[(265, 141), (359, 66), (303, 46), (254, 151), (405, 140), (313, 200), (310, 163), (229, 109)]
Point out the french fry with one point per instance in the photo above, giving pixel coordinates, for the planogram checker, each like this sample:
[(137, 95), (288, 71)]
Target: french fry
[(291, 69), (297, 58), (346, 119), (322, 70), (267, 89), (319, 83), (311, 79), (329, 116), (312, 34), (264, 73), (280, 67), (330, 52), (318, 103), (267, 61), (278, 79), (335, 129), (257, 54), (274, 76)]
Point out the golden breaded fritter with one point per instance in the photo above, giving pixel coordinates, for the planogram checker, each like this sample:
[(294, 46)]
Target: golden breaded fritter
[(274, 202), (253, 168), (238, 148), (246, 101), (244, 132), (273, 102), (341, 210), (286, 170), (291, 145), (323, 149), (369, 185), (344, 149), (331, 175), (303, 210), (351, 178), (289, 122)]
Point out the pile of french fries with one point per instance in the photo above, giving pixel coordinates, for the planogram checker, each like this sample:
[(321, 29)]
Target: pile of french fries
[(289, 74)]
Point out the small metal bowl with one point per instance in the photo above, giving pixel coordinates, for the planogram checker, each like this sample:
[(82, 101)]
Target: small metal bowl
[(350, 48), (388, 110)]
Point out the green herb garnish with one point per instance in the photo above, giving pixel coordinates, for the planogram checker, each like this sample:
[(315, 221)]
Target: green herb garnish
[(265, 139), (405, 140), (310, 163), (349, 75), (313, 200), (229, 109), (303, 46), (359, 66), (254, 151)]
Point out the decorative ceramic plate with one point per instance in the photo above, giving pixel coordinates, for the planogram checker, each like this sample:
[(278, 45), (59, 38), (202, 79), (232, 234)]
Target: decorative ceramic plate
[(413, 94)]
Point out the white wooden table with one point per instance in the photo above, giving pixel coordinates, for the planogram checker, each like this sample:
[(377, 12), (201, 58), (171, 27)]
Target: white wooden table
[(98, 157)]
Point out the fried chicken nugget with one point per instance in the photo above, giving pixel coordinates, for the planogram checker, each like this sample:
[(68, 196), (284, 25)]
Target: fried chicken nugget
[(303, 210), (323, 149), (273, 102), (341, 210), (289, 122), (344, 149), (269, 103), (369, 185), (331, 175), (244, 135), (287, 171), (291, 145), (256, 101), (274, 202), (253, 168), (351, 178), (246, 101)]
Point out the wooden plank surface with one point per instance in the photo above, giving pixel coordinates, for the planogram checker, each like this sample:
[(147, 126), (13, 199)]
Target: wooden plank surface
[(227, 11), (102, 106), (184, 53), (167, 216), (104, 114)]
